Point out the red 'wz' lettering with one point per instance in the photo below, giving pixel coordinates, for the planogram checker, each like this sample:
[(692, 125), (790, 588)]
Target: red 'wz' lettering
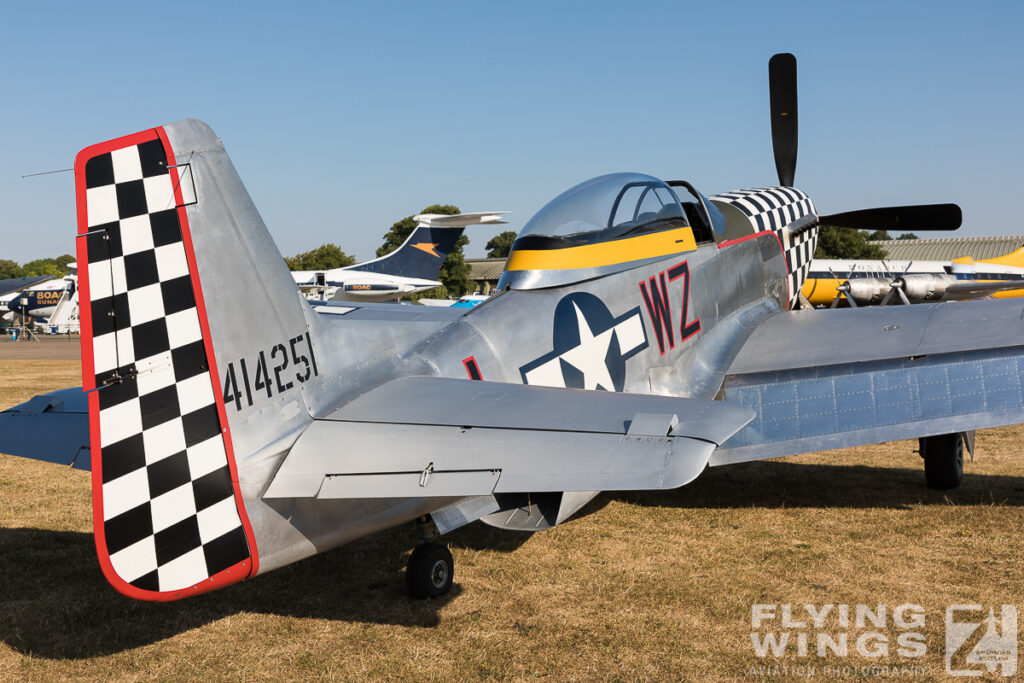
[(661, 313)]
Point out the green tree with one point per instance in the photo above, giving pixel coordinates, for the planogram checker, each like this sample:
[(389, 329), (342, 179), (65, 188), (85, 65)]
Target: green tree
[(844, 243), (40, 266), (500, 245), (43, 266), (324, 257), (880, 235), (455, 271), (908, 236), (10, 269), (63, 261)]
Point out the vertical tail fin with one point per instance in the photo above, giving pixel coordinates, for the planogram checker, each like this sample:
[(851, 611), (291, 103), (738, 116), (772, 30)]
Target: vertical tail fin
[(170, 315), (429, 244)]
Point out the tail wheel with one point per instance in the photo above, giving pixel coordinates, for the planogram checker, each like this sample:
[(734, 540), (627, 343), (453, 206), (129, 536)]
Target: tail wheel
[(943, 460), (430, 571)]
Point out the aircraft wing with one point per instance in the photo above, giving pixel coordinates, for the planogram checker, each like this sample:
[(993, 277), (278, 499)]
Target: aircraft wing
[(972, 289), (457, 438), (18, 283), (835, 378)]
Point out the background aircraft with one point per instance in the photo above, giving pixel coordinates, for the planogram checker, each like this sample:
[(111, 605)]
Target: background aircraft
[(871, 281), (636, 340), (411, 268), (52, 299)]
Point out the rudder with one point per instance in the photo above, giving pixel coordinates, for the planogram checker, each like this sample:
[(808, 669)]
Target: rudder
[(169, 516)]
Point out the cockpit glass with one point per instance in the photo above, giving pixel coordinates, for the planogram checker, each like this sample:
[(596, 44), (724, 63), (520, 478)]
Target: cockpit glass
[(606, 208)]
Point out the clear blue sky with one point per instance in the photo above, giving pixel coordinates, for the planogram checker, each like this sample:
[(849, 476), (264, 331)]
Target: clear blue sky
[(344, 117)]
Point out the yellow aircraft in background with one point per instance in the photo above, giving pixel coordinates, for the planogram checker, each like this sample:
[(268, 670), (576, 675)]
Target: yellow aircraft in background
[(865, 282)]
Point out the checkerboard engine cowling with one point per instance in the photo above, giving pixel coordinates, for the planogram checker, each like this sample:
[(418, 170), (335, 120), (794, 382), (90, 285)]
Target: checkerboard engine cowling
[(169, 517), (773, 208)]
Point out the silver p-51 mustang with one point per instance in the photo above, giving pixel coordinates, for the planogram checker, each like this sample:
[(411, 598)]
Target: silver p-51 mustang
[(642, 332)]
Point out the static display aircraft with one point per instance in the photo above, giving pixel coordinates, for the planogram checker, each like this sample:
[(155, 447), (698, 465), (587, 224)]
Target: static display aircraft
[(411, 268), (642, 332), (40, 301), (863, 282)]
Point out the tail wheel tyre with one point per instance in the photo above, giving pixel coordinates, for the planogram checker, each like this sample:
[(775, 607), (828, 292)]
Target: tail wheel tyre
[(430, 571), (943, 460)]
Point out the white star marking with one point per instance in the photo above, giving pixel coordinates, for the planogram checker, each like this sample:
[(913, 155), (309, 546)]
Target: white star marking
[(589, 356)]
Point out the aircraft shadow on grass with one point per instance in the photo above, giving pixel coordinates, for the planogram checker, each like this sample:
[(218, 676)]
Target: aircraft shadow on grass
[(768, 484), (59, 605)]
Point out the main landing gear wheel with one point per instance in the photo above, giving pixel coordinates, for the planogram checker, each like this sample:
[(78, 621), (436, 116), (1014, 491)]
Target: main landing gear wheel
[(943, 460), (430, 571)]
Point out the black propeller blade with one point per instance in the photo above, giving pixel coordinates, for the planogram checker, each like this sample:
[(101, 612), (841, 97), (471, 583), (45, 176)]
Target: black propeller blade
[(921, 217), (782, 87)]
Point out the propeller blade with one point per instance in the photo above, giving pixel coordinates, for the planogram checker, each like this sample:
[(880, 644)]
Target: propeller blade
[(903, 218), (782, 88)]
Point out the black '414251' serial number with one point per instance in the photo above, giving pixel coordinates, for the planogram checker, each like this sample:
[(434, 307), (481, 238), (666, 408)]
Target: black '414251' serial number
[(290, 362)]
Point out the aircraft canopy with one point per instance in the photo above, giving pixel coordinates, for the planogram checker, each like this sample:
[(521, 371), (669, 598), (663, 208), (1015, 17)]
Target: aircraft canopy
[(609, 207)]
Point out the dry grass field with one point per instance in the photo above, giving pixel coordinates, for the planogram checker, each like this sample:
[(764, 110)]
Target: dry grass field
[(654, 586)]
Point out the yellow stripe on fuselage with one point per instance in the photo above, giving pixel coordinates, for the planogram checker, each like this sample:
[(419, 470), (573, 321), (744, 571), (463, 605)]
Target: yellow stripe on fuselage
[(604, 253)]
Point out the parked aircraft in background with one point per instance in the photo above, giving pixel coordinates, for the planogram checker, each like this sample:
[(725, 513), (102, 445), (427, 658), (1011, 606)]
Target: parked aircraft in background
[(464, 301), (411, 268), (641, 333), (865, 282), (52, 301)]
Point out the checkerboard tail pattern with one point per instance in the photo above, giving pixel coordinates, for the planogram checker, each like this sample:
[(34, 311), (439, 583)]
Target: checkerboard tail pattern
[(168, 523), (773, 208)]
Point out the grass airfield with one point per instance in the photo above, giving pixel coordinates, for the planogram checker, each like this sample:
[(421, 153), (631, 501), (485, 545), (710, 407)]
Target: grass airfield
[(639, 586)]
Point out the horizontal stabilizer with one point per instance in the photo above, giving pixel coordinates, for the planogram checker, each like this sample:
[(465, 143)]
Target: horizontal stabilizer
[(465, 438), (462, 403), (50, 427), (460, 220)]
